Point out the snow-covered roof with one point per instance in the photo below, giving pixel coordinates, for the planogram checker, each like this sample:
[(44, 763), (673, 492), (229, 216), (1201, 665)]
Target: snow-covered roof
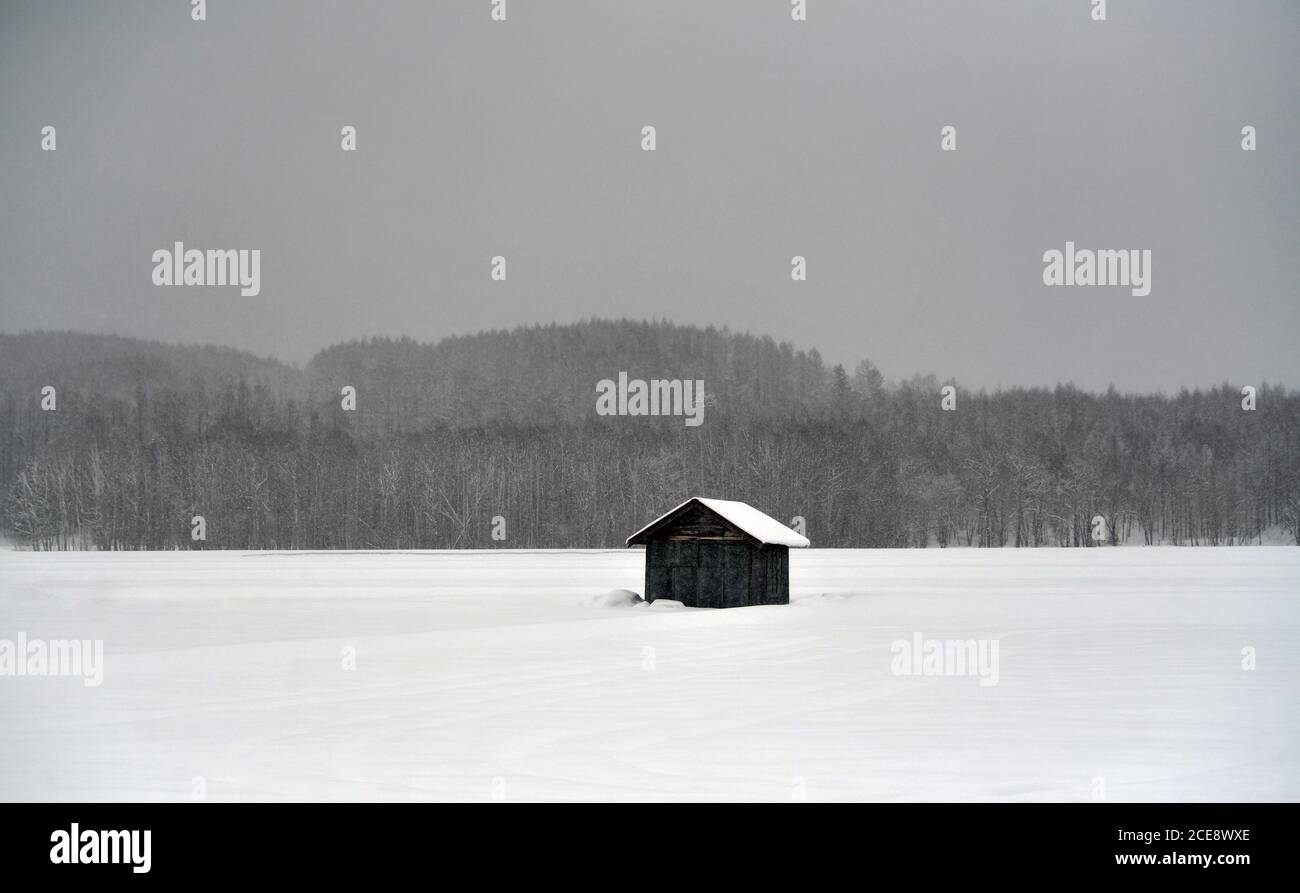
[(761, 527)]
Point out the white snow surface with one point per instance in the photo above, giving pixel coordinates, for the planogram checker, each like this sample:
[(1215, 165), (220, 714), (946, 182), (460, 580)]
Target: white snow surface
[(760, 526), (488, 675)]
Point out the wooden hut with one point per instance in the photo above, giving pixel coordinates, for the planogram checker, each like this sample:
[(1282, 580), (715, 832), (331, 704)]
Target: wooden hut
[(714, 553)]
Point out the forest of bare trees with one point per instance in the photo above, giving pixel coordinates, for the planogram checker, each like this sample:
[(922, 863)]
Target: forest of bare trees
[(447, 437)]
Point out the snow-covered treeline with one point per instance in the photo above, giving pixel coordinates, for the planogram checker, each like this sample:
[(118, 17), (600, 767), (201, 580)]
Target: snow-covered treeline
[(446, 439)]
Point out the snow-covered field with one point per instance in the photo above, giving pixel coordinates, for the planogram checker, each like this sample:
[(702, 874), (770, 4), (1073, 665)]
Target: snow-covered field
[(483, 676)]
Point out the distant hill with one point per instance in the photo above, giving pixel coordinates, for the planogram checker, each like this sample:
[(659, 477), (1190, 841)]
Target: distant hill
[(531, 376), (448, 436), (547, 375), (119, 367)]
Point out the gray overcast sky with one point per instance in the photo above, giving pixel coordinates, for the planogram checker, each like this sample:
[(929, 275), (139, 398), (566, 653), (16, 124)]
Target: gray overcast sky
[(774, 139)]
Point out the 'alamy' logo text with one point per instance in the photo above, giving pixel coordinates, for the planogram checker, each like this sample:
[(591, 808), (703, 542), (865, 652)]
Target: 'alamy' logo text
[(55, 657), (1128, 267), (654, 397), (226, 266), (920, 656), (88, 847)]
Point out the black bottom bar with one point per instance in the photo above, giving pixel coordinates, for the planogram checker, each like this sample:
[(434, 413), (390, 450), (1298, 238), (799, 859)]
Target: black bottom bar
[(618, 843)]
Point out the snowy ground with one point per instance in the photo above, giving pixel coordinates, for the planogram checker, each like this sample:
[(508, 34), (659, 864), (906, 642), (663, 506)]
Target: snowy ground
[(487, 675)]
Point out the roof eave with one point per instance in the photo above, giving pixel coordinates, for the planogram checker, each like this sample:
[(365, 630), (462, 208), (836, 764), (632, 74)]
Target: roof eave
[(643, 535)]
